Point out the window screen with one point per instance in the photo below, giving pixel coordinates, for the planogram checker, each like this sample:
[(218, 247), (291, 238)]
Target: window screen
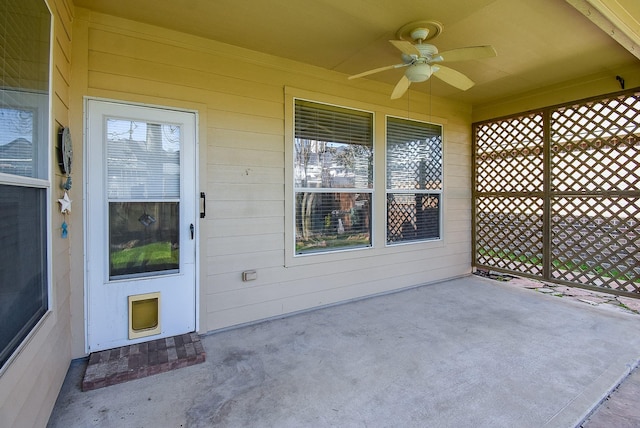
[(25, 28), (333, 177), (414, 180)]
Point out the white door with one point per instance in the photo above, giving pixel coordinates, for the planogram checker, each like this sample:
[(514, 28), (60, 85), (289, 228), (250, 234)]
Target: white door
[(140, 223)]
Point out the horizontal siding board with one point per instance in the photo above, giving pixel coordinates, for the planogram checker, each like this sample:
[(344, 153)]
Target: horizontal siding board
[(140, 86), (177, 73), (460, 194), (235, 156), (159, 74), (60, 112), (240, 227), (225, 119), (62, 62), (62, 89), (458, 160), (218, 174), (243, 209), (387, 266), (253, 192), (344, 286), (242, 262), (243, 99), (245, 244), (164, 52), (459, 214), (242, 139)]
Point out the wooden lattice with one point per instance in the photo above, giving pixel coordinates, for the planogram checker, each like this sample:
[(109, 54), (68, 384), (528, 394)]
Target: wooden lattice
[(509, 155), (595, 241), (412, 217), (587, 188), (509, 233)]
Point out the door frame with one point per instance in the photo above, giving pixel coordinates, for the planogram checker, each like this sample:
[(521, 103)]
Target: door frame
[(85, 206)]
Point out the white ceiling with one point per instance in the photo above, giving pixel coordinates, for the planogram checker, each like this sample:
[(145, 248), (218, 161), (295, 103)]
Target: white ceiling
[(540, 43)]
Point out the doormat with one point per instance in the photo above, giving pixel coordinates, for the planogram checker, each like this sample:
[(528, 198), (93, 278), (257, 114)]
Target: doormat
[(119, 365)]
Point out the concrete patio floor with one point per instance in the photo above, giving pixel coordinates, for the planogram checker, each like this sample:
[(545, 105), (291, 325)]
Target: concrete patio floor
[(466, 352)]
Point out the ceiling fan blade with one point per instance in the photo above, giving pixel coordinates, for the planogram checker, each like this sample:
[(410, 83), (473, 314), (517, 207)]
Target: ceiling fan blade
[(401, 88), (469, 53), (452, 77), (377, 70), (406, 47)]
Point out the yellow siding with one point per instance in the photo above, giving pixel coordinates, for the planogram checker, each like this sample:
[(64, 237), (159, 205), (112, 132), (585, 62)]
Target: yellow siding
[(590, 86), (240, 95), (29, 384)]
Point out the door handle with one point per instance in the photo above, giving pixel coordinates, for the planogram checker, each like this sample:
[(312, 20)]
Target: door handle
[(192, 229), (204, 205)]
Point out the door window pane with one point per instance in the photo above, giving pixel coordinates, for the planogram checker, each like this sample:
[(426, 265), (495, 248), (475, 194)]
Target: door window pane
[(144, 238), (143, 160)]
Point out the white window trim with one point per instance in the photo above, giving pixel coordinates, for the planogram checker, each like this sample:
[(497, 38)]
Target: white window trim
[(440, 192), (47, 127), (378, 211), (367, 190)]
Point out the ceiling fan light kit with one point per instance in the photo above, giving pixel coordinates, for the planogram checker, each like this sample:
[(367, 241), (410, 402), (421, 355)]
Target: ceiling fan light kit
[(420, 58), (418, 72)]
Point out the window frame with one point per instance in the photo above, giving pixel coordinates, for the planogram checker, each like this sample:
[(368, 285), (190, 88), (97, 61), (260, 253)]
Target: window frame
[(44, 161), (290, 258), (378, 211), (330, 190), (440, 192)]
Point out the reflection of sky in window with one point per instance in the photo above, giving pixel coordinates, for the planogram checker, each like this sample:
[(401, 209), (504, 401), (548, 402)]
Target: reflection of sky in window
[(118, 130), (15, 124)]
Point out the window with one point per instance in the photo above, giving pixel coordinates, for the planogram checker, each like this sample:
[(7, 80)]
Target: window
[(24, 186), (333, 177), (414, 181)]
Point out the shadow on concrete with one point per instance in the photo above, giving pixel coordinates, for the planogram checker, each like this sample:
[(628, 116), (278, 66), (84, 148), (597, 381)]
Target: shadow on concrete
[(465, 352)]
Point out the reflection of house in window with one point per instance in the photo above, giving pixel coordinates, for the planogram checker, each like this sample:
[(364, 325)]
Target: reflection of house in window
[(138, 157), (17, 158), (333, 177), (17, 134)]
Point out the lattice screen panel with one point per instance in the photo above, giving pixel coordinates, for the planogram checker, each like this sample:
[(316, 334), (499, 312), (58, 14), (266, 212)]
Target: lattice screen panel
[(595, 146), (596, 241), (583, 199), (509, 155), (509, 233)]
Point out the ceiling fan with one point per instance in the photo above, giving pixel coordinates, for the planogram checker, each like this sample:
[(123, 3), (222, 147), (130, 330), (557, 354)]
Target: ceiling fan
[(422, 60)]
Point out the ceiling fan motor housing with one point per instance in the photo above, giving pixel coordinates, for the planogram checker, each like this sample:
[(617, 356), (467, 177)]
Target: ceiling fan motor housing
[(427, 50)]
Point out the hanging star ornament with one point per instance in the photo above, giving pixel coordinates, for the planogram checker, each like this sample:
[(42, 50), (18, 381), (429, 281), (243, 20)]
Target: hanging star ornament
[(65, 203)]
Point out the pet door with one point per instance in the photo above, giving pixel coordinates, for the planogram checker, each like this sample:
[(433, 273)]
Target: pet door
[(144, 315)]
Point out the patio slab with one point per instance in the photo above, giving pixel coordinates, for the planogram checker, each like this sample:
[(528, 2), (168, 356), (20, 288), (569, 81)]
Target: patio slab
[(465, 352)]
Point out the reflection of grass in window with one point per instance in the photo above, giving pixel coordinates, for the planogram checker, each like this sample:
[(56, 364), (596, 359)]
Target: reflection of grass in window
[(155, 254), (335, 242)]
